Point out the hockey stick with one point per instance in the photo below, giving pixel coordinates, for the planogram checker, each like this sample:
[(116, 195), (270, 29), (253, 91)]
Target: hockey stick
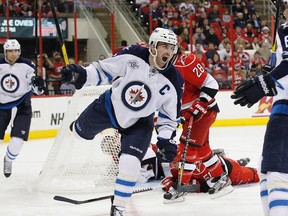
[(278, 5), (62, 44), (186, 187), (78, 202)]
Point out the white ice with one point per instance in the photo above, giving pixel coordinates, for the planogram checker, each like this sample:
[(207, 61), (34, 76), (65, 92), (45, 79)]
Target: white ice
[(18, 196)]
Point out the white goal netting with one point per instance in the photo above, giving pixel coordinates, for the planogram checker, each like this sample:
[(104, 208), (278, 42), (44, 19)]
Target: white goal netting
[(81, 166)]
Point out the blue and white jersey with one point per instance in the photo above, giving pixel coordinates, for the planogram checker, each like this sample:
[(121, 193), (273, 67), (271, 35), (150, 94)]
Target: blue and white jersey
[(139, 89), (15, 80), (280, 72)]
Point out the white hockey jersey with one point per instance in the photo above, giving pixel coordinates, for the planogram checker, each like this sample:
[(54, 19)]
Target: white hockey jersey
[(280, 73), (15, 80), (138, 90)]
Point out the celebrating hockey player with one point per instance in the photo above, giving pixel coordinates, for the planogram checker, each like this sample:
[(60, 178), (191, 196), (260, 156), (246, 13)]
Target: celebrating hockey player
[(198, 103), (274, 169), (17, 79), (146, 82)]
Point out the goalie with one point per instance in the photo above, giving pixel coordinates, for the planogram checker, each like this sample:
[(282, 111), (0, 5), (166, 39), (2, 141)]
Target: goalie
[(274, 169)]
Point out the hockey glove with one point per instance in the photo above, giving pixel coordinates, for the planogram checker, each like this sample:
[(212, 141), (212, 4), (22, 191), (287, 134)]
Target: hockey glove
[(38, 85), (167, 149), (74, 74), (267, 68), (197, 110), (167, 182), (251, 91)]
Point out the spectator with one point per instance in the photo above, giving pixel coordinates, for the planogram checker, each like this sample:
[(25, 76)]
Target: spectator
[(199, 37), (212, 38), (239, 21), (199, 52), (255, 22), (210, 52), (189, 8), (226, 18), (123, 45), (255, 43), (54, 73), (225, 53), (244, 56), (257, 59), (214, 15), (224, 33), (101, 57), (253, 72), (265, 36), (265, 51)]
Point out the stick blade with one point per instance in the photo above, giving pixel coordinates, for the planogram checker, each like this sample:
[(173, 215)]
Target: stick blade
[(65, 199)]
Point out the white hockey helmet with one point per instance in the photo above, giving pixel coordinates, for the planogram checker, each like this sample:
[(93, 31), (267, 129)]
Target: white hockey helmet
[(11, 44), (165, 36)]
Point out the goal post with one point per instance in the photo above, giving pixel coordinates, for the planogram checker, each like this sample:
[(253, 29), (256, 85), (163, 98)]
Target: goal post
[(81, 166)]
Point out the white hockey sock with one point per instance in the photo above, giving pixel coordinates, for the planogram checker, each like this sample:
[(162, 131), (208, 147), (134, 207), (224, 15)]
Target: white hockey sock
[(264, 194), (277, 193), (14, 148), (129, 168)]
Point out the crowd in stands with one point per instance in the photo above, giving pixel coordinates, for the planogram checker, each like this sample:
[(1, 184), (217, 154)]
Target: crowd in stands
[(219, 28), (27, 7), (228, 35)]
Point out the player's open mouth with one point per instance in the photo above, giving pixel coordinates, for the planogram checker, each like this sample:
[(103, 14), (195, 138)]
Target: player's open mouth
[(164, 59)]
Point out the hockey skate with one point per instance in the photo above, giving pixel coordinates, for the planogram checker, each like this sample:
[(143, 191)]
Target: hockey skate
[(115, 211), (173, 195), (220, 186), (7, 167)]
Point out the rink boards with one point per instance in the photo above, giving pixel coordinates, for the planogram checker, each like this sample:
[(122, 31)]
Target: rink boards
[(49, 112)]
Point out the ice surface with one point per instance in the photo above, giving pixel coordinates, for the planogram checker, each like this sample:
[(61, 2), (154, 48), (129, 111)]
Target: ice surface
[(18, 196)]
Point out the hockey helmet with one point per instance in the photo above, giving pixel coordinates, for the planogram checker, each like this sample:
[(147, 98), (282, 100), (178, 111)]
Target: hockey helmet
[(165, 36), (11, 44)]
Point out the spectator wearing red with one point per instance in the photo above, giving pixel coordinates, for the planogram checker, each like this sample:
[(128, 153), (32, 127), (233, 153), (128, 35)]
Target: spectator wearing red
[(265, 36), (123, 45)]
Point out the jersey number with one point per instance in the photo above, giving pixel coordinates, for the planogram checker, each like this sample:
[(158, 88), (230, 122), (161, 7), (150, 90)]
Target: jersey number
[(198, 70)]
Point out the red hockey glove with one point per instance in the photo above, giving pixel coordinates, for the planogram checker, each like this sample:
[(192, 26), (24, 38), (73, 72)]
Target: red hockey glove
[(197, 110), (167, 182)]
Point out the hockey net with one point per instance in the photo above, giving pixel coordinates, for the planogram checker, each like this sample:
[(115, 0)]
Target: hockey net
[(74, 166)]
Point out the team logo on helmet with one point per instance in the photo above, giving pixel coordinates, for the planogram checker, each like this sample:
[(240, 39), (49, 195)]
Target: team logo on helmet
[(136, 95), (10, 83)]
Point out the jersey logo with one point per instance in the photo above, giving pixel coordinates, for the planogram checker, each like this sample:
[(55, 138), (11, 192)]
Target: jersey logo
[(10, 83), (136, 95), (133, 64)]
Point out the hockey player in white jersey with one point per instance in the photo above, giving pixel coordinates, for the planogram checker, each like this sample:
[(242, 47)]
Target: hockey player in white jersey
[(274, 161), (17, 80), (145, 81)]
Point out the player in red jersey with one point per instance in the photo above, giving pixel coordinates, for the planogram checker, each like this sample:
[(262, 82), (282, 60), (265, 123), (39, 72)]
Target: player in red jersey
[(198, 102), (238, 171)]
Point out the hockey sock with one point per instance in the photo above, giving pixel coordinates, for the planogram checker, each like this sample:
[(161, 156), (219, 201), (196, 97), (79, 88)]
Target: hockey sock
[(277, 193), (264, 194), (14, 148), (129, 168)]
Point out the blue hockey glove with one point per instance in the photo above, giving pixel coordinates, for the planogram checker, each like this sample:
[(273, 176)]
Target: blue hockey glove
[(251, 91), (167, 149), (38, 85), (74, 74)]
